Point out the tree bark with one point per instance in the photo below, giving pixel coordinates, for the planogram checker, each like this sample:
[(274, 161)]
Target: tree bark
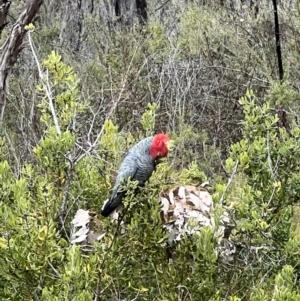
[(141, 6), (13, 45), (128, 10), (4, 7), (278, 44)]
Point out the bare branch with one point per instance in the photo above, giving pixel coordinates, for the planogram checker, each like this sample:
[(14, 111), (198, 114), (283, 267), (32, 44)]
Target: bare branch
[(4, 7), (229, 181), (63, 206), (111, 111), (13, 46), (46, 86), (54, 270)]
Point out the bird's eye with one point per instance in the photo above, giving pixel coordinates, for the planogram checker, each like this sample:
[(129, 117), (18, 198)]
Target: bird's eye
[(159, 154)]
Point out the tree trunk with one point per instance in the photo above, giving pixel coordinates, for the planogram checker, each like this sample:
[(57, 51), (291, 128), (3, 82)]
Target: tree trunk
[(13, 44), (4, 7), (128, 10)]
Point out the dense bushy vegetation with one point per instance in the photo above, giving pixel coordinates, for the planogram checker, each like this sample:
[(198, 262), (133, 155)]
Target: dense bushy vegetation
[(86, 87)]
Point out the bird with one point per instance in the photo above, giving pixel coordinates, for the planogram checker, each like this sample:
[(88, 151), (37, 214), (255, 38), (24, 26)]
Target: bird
[(138, 165)]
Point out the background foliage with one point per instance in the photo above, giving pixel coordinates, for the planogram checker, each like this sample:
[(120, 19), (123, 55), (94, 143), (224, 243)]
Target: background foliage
[(86, 87)]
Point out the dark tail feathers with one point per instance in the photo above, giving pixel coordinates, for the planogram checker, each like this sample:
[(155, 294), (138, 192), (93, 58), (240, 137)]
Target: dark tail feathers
[(112, 204)]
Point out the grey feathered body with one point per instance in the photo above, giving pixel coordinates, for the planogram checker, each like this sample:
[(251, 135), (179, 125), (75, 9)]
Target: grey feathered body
[(138, 165)]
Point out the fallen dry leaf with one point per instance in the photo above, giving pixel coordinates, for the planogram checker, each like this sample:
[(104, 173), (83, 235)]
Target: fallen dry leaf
[(80, 228), (165, 205), (181, 193), (187, 209)]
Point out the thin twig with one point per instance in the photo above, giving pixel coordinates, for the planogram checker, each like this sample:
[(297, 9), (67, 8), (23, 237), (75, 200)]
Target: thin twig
[(46, 86), (97, 294), (54, 270), (162, 5), (36, 298), (156, 279), (229, 181), (63, 206), (111, 111)]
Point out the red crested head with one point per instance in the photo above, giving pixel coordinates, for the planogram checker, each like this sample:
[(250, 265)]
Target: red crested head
[(159, 146)]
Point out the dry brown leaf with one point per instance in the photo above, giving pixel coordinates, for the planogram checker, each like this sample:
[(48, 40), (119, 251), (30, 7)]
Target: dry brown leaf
[(206, 198), (188, 204), (82, 217), (181, 193), (80, 227), (165, 205), (195, 200), (171, 197), (190, 188), (178, 209), (93, 237)]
